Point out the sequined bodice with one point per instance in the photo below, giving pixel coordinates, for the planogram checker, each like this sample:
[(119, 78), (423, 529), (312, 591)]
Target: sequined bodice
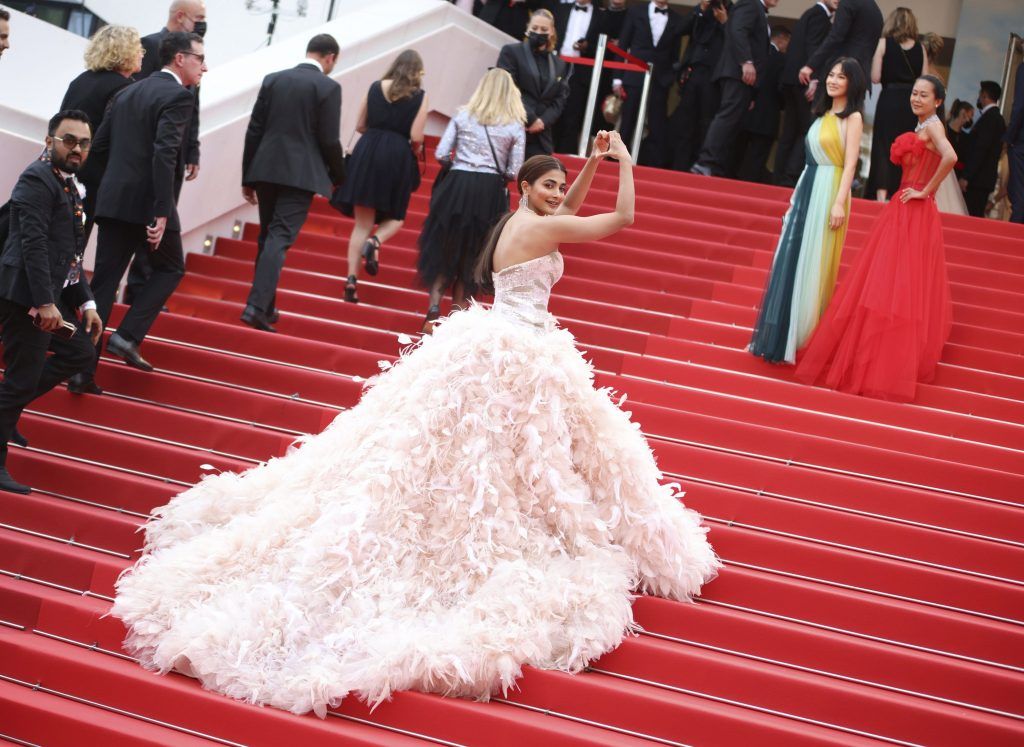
[(521, 291)]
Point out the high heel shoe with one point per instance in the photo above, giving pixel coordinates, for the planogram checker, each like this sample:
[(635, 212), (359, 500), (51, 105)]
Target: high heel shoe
[(433, 314), (371, 255), (350, 290)]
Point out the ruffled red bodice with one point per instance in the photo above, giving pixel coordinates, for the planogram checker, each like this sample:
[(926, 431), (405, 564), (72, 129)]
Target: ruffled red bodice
[(918, 162)]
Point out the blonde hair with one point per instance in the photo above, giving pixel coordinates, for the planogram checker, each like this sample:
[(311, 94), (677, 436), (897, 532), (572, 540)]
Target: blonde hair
[(901, 25), (405, 74), (113, 48), (496, 100), (553, 37)]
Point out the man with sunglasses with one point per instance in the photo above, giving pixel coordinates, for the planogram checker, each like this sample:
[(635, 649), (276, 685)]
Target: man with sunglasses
[(42, 289), (141, 140)]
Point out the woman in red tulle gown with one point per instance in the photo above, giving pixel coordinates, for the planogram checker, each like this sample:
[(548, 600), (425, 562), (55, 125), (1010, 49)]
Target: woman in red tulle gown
[(891, 314)]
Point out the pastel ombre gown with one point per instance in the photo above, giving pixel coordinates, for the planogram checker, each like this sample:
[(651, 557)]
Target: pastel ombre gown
[(891, 316), (807, 256), (483, 507)]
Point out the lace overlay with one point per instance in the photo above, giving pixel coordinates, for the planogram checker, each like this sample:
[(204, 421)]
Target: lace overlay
[(521, 291)]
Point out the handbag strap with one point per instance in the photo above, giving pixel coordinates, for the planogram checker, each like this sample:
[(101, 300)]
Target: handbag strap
[(494, 155)]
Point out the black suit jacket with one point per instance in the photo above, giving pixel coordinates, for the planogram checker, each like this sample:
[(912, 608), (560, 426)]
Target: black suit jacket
[(637, 39), (707, 38), (1015, 130), (810, 31), (763, 119), (746, 38), (855, 32), (140, 143), (293, 134), (562, 13), (985, 146), (92, 92), (541, 101), (41, 244), (150, 65)]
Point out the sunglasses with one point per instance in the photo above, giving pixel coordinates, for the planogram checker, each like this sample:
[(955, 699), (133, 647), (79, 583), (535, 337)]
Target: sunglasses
[(70, 142), (200, 57)]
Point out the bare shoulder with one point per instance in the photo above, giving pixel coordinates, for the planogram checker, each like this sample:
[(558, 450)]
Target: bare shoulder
[(523, 238)]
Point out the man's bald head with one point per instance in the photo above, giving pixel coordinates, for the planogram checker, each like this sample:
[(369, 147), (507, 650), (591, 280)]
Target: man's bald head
[(184, 14)]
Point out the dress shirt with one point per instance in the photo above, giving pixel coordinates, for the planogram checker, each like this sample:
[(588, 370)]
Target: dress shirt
[(658, 22), (828, 11), (576, 29), (173, 75), (312, 61)]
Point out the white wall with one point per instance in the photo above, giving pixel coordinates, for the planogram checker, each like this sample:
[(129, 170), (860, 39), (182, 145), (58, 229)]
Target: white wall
[(370, 35)]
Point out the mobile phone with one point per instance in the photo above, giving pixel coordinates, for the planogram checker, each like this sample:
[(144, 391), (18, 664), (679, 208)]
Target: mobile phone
[(66, 329)]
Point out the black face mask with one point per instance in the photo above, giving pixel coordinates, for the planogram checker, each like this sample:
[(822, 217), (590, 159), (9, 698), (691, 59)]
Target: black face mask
[(199, 27), (537, 41)]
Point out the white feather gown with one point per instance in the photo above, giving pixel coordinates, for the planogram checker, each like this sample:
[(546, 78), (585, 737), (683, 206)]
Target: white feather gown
[(482, 508)]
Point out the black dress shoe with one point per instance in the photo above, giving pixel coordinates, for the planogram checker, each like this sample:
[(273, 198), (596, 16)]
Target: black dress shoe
[(274, 316), (83, 384), (257, 319), (128, 352), (17, 439), (701, 170), (9, 484)]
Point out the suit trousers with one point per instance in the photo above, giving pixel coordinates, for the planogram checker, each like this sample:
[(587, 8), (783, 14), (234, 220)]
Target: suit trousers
[(716, 155), (976, 200), (752, 153), (29, 372), (790, 157), (698, 102), (570, 124), (654, 147), (1015, 185), (118, 244), (283, 210)]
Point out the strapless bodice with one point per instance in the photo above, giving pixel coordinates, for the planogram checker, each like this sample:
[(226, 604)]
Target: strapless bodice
[(521, 291)]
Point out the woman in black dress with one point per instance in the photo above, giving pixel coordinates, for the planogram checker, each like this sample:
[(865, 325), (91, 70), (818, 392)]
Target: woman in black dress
[(540, 74), (900, 59), (114, 54), (383, 172)]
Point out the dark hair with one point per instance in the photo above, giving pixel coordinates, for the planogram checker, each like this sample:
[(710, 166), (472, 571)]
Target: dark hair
[(4, 15), (781, 32), (533, 169), (856, 88), (958, 106), (405, 74), (174, 43), (992, 89), (323, 45), (76, 115), (940, 93)]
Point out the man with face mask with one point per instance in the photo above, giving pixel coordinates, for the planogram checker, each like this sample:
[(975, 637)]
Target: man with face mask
[(984, 147), (42, 289)]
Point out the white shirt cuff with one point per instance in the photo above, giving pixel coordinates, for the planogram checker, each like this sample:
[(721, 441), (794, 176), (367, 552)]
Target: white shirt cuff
[(87, 306)]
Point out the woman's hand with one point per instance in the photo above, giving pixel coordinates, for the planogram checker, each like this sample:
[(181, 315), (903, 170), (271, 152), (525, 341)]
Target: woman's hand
[(836, 217), (601, 145), (911, 194), (617, 148), (536, 126)]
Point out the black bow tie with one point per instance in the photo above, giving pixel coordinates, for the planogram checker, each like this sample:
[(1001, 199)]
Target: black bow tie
[(660, 10), (581, 7)]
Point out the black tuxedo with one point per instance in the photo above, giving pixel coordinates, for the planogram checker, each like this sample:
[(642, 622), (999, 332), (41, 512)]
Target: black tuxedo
[(512, 19), (855, 32), (150, 65), (638, 39), (141, 140), (567, 131), (291, 151), (746, 39), (544, 94), (698, 93), (761, 124), (810, 31), (91, 92), (42, 253), (1015, 149), (981, 163)]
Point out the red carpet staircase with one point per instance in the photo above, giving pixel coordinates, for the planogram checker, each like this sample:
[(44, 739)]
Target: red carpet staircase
[(874, 583)]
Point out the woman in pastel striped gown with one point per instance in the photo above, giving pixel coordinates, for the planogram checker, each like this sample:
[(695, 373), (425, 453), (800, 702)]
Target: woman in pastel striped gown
[(813, 230)]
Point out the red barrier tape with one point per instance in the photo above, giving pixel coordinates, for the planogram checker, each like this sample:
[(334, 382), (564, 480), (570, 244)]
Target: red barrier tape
[(633, 62)]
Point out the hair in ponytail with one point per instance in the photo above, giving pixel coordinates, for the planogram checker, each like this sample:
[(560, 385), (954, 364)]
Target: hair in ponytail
[(533, 169)]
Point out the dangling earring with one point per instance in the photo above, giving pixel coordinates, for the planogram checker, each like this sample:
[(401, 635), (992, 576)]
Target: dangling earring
[(524, 203)]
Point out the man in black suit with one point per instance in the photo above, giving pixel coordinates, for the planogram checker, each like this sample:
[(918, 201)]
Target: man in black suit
[(41, 281), (1015, 149), (577, 25), (984, 147), (698, 93), (761, 123), (540, 74), (856, 29), (743, 61), (510, 16), (654, 33), (188, 16), (141, 140), (291, 151), (808, 34)]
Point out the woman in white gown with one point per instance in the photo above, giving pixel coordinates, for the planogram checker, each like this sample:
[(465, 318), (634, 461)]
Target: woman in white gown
[(483, 507)]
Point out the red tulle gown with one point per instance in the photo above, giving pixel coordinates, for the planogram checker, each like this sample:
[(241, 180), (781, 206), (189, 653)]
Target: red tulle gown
[(891, 314)]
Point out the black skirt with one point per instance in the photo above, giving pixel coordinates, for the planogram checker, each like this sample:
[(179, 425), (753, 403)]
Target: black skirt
[(382, 174), (463, 209)]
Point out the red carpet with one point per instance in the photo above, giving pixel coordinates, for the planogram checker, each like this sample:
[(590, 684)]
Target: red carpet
[(874, 583)]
